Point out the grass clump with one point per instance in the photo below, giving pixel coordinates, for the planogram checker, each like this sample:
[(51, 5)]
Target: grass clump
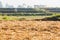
[(20, 19), (5, 18)]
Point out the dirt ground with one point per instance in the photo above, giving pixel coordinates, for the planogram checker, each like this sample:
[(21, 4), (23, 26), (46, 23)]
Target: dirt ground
[(29, 30)]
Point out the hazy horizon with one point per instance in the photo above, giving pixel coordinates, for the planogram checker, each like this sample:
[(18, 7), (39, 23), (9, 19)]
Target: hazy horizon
[(15, 3)]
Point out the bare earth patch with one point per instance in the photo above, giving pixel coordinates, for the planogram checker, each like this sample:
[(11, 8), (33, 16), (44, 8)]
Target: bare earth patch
[(29, 30)]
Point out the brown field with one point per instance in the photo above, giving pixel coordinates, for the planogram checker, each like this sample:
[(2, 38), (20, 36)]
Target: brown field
[(29, 30)]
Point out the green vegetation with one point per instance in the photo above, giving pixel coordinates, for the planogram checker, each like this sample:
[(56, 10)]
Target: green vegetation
[(27, 16), (21, 17)]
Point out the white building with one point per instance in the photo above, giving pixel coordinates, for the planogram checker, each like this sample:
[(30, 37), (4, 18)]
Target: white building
[(39, 6), (1, 6), (9, 6)]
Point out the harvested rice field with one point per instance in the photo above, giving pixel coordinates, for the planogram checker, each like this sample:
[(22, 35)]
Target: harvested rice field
[(29, 30)]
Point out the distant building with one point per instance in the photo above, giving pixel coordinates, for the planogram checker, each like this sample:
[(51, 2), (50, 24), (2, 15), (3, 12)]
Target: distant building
[(39, 6), (1, 6), (29, 6), (24, 5), (20, 6), (9, 6)]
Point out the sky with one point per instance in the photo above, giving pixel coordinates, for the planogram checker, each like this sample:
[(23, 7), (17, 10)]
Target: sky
[(49, 3)]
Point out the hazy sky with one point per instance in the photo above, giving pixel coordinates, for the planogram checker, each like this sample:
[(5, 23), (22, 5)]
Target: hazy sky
[(53, 3)]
